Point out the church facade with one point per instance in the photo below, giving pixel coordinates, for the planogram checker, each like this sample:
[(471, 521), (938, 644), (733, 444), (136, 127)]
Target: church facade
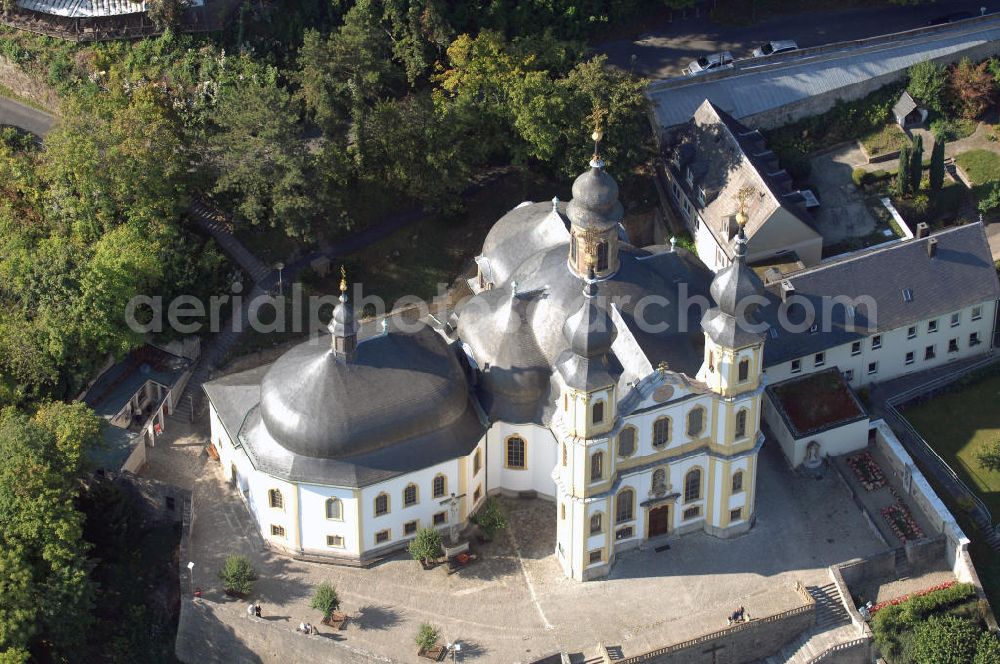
[(575, 372)]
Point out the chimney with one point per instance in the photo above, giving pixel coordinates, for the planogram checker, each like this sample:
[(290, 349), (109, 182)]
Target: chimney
[(787, 290), (923, 230), (932, 246)]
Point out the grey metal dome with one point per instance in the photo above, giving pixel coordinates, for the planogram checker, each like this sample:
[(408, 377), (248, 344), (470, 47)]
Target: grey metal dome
[(398, 386), (595, 203), (589, 330), (738, 292)]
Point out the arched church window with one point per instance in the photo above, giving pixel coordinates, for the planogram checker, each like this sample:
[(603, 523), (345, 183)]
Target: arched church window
[(410, 495), (744, 370), (596, 466), (275, 499), (741, 423), (602, 256), (595, 523), (477, 462), (626, 442), (381, 504), (515, 452), (696, 421), (661, 432), (440, 484), (334, 509), (659, 481), (623, 505), (692, 485), (737, 481), (598, 414)]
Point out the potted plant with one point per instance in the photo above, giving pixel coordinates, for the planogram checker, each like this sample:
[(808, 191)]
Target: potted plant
[(326, 601), (237, 576), (427, 645), (490, 518), (426, 546)]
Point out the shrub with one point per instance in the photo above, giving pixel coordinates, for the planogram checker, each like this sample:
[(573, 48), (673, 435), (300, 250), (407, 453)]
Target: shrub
[(971, 88), (987, 650), (325, 599), (427, 637), (991, 200), (859, 176), (989, 456), (490, 517), (237, 574), (928, 82), (944, 640), (426, 545)]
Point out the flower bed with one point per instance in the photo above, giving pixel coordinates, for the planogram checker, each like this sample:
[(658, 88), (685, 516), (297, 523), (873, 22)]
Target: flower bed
[(901, 522), (867, 471), (899, 600)]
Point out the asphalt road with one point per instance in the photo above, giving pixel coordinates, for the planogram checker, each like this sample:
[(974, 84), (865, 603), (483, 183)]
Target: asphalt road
[(25, 117), (664, 51)]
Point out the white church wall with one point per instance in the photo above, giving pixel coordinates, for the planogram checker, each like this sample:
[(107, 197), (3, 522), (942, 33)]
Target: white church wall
[(677, 473), (316, 527), (540, 455), (833, 442), (423, 511)]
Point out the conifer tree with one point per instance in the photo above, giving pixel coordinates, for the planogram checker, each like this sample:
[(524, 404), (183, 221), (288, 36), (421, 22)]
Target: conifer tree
[(916, 163), (903, 174), (937, 163)]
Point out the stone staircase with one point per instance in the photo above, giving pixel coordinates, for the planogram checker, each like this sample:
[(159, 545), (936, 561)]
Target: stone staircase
[(215, 223), (830, 630)]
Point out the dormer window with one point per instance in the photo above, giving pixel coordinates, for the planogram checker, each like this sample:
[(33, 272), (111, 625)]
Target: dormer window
[(701, 196), (689, 176)]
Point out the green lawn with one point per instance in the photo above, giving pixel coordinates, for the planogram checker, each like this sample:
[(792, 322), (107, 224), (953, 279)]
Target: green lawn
[(957, 425), (981, 166)]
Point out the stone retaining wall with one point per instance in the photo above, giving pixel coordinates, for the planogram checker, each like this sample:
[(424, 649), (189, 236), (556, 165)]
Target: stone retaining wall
[(745, 642)]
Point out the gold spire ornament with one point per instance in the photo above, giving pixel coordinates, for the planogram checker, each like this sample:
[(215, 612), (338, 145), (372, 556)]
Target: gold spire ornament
[(743, 195), (597, 118), (343, 280)]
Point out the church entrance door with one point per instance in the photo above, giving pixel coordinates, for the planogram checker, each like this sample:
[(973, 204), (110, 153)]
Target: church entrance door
[(659, 521)]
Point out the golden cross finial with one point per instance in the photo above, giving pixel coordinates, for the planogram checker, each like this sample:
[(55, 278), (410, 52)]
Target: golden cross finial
[(743, 195), (597, 118), (343, 279)]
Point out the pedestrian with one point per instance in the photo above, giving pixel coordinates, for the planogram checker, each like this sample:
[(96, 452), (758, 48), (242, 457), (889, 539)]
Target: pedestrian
[(256, 609), (309, 628), (301, 628), (251, 610)]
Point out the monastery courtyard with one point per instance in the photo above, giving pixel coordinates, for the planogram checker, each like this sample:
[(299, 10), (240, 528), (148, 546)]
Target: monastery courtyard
[(515, 605)]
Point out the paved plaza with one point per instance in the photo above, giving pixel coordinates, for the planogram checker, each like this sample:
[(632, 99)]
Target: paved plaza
[(514, 605)]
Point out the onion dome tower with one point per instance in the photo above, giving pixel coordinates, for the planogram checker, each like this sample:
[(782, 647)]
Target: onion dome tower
[(734, 339), (589, 392), (594, 213), (343, 327)]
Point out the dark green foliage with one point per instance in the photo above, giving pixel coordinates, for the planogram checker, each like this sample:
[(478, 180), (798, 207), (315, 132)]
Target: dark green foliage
[(928, 82), (892, 623), (990, 198), (325, 599), (237, 574), (987, 649), (944, 640), (859, 176), (44, 569), (937, 164), (989, 456), (916, 163), (903, 175), (426, 545), (490, 517)]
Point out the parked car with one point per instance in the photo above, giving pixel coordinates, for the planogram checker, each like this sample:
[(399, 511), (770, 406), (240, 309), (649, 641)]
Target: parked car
[(775, 47), (723, 60), (950, 18)]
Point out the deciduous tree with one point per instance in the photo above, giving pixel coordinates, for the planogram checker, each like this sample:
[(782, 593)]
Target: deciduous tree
[(971, 88)]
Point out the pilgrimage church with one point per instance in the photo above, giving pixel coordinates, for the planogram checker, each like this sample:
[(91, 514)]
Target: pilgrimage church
[(573, 373)]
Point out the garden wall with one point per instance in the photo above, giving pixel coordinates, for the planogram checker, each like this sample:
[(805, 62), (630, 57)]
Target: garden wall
[(821, 103), (745, 642)]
